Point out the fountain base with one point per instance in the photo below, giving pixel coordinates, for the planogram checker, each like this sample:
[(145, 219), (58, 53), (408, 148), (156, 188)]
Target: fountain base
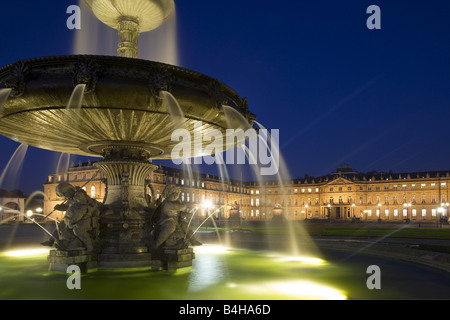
[(60, 260), (171, 259)]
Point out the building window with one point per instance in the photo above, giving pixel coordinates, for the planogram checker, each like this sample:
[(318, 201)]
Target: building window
[(395, 212), (93, 192), (424, 212), (414, 212), (257, 202), (422, 186)]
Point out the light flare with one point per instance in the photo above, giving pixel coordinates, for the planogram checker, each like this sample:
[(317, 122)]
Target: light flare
[(26, 252)]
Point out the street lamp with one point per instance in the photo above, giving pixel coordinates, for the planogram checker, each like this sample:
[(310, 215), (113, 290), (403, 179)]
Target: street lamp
[(406, 205), (207, 204), (379, 213)]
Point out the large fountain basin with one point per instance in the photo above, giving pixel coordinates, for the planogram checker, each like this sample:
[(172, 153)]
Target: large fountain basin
[(122, 103)]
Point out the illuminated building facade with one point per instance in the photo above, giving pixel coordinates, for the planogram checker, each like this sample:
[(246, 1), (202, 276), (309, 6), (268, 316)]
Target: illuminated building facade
[(342, 195)]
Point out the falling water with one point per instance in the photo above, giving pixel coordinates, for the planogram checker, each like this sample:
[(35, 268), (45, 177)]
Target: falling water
[(161, 44), (63, 163), (76, 98), (174, 109), (14, 165), (282, 174), (232, 116), (4, 95)]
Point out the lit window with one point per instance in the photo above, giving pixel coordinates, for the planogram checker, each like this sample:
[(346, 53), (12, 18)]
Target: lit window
[(422, 186), (424, 212), (257, 191), (93, 192)]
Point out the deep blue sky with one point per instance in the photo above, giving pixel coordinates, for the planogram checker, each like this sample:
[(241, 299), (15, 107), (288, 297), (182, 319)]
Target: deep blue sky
[(338, 92)]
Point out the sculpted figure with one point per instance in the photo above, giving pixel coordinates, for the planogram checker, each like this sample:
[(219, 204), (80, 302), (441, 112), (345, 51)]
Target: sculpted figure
[(167, 214), (80, 221)]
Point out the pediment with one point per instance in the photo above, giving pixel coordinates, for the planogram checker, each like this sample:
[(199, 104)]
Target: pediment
[(340, 181)]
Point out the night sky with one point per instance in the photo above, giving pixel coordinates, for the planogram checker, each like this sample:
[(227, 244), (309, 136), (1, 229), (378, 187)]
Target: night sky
[(337, 91)]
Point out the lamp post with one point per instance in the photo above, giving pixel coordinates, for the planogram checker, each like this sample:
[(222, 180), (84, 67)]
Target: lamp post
[(207, 204), (440, 210), (353, 210), (379, 210), (329, 211), (406, 205)]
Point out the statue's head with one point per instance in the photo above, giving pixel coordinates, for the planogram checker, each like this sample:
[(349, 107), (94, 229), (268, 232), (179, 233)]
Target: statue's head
[(80, 196), (171, 191), (65, 190)]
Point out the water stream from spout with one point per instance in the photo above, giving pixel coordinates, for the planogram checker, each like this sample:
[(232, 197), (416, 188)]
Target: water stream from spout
[(14, 165), (4, 95)]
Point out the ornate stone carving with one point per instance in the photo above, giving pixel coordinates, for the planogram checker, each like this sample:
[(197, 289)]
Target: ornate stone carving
[(243, 106), (215, 92), (86, 72), (17, 81), (159, 79)]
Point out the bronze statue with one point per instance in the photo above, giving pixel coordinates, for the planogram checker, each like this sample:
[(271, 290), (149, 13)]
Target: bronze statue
[(80, 225)]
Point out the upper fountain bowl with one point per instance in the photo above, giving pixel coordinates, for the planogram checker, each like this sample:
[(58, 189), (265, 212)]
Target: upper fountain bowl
[(125, 102), (149, 14)]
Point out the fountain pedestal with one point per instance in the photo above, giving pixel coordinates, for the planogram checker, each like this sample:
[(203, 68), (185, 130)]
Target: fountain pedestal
[(60, 260), (171, 259)]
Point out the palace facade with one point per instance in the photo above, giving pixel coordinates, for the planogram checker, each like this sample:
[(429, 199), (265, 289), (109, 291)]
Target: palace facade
[(342, 195)]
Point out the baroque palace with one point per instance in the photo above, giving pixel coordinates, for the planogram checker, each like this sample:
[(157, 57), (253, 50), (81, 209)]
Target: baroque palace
[(342, 195)]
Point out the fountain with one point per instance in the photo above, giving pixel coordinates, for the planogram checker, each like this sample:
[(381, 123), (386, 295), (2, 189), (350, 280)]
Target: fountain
[(117, 110)]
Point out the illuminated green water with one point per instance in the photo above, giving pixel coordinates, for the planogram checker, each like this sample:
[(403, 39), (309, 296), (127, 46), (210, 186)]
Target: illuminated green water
[(231, 274)]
